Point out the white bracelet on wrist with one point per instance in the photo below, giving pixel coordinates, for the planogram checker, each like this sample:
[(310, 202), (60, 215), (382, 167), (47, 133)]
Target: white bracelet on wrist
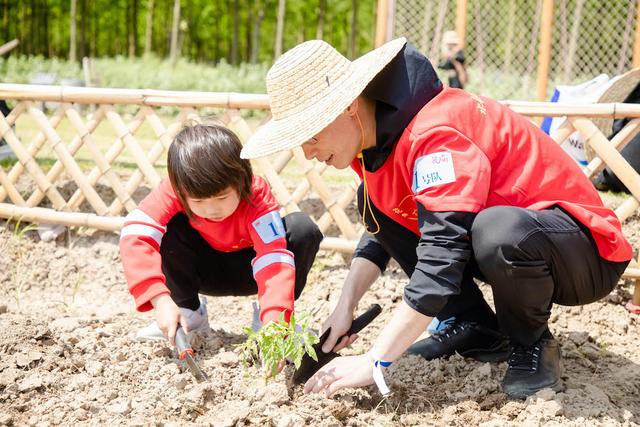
[(378, 376)]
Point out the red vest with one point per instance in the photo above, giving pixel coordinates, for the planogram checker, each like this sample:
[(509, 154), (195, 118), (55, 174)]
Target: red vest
[(467, 153)]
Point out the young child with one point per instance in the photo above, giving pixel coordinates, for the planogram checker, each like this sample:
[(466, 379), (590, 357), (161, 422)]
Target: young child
[(213, 228)]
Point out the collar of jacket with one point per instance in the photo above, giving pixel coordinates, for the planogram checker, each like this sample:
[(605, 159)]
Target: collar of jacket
[(400, 91)]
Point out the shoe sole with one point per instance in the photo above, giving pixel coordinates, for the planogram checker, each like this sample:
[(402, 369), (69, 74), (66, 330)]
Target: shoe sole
[(497, 354), (522, 394)]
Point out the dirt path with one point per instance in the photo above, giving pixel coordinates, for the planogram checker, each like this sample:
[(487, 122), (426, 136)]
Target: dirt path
[(67, 357)]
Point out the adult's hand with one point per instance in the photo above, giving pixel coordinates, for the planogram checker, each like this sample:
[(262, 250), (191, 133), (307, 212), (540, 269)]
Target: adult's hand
[(168, 317), (360, 277), (341, 372), (339, 321)]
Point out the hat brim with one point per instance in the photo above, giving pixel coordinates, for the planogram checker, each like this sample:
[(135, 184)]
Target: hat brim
[(296, 129), (617, 92)]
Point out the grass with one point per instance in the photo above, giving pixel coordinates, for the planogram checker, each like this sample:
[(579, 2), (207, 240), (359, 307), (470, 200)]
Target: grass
[(150, 72)]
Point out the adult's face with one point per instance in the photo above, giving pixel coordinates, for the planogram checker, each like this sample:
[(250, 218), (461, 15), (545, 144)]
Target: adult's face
[(339, 143)]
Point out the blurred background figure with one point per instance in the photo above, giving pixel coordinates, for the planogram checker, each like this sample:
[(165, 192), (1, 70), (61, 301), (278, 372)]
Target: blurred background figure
[(453, 60)]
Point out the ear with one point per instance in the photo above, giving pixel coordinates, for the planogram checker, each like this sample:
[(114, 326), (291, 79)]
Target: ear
[(352, 109)]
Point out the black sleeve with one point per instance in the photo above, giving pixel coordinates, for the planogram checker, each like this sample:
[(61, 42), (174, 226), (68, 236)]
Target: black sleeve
[(443, 252), (371, 249)]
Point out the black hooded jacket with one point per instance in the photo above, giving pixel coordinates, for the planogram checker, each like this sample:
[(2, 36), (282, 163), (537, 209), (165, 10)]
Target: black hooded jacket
[(400, 91)]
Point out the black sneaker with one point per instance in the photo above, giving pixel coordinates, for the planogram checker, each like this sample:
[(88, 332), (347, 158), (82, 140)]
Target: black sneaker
[(533, 368), (468, 339)]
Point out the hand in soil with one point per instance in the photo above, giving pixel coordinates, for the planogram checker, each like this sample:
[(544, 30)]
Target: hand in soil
[(278, 341), (339, 322), (268, 373), (341, 372), (168, 317)]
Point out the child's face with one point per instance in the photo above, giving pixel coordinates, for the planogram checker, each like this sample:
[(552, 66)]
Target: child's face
[(216, 208)]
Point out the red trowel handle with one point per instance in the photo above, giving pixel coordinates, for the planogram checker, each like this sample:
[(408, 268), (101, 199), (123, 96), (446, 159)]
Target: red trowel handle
[(182, 344)]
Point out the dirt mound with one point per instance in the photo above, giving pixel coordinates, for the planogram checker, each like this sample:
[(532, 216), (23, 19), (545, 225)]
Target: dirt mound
[(68, 357)]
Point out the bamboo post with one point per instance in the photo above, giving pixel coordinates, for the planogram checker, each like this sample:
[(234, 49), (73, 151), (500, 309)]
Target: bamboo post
[(544, 51), (339, 245), (114, 151), (636, 43), (610, 155), (636, 293), (233, 118), (29, 163), (134, 148), (626, 209), (164, 139), (7, 47), (563, 132), (58, 167), (103, 164), (77, 219), (69, 163), (10, 189), (618, 142), (340, 217), (382, 16), (461, 21)]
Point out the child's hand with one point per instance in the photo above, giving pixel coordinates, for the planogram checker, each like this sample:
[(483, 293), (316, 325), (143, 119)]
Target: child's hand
[(168, 316), (267, 370)]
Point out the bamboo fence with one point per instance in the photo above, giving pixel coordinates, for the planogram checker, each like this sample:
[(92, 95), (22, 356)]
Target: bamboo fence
[(86, 207)]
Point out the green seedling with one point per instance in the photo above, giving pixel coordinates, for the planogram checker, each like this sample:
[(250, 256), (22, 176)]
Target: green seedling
[(277, 341)]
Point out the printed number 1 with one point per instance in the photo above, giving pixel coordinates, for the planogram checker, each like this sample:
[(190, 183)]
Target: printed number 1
[(273, 228)]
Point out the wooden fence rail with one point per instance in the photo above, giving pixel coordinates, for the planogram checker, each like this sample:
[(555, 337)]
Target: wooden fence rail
[(102, 193)]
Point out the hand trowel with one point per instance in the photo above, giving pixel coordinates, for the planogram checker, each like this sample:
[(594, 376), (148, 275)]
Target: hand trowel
[(308, 366)]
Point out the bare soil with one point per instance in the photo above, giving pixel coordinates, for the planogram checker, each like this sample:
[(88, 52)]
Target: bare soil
[(68, 356)]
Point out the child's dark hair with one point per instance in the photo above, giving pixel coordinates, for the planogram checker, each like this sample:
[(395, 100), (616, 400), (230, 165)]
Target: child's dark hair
[(204, 160)]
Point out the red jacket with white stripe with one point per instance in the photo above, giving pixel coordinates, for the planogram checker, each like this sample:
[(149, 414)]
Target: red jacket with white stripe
[(256, 224)]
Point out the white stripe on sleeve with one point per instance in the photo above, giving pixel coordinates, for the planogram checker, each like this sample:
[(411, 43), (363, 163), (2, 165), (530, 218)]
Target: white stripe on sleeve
[(272, 258), (141, 230), (137, 215)]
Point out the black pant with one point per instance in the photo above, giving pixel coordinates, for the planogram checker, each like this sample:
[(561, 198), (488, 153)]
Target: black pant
[(531, 259), (193, 267)]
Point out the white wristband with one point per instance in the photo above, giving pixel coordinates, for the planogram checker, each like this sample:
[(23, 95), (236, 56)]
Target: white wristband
[(378, 376)]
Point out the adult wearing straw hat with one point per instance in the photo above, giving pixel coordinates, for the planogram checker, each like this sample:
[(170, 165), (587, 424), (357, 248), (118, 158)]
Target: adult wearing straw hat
[(454, 186)]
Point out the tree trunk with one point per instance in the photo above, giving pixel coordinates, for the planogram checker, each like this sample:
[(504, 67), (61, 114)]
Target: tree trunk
[(173, 54), (573, 41), (5, 19), (133, 29), (45, 23), (277, 50), (236, 32), (353, 32), (434, 55), (511, 25), (83, 28), (33, 28), (255, 34), (626, 38), (72, 32), (535, 25), (479, 43), (322, 10), (426, 28), (94, 50), (248, 27), (148, 34)]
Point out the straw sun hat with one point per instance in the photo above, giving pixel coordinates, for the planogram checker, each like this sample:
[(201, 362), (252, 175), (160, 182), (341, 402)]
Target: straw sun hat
[(309, 86), (619, 90)]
